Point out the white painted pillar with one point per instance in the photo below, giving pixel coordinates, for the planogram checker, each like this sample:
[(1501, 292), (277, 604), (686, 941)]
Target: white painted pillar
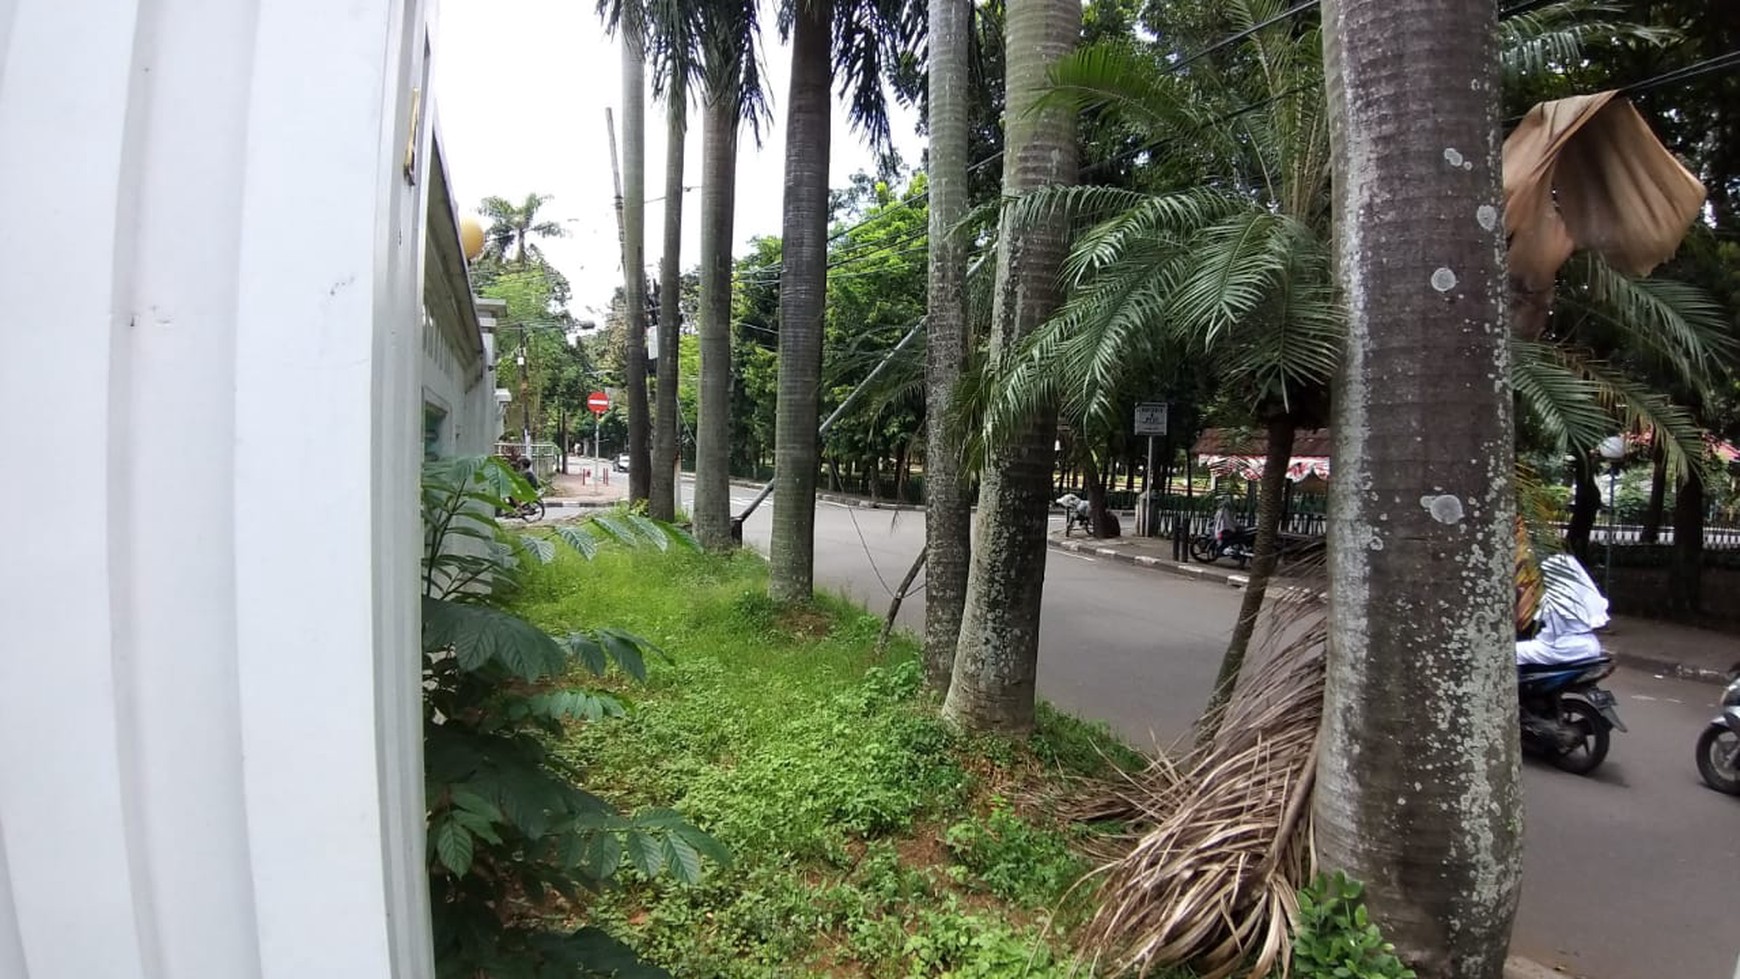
[(210, 739)]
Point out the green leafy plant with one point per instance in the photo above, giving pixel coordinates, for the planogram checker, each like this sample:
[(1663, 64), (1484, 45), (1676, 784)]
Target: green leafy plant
[(1335, 939), (512, 833), (1011, 858)]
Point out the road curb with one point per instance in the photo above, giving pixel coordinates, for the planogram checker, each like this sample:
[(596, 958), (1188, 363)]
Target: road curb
[(1199, 572), (864, 503), (1670, 668), (580, 504)]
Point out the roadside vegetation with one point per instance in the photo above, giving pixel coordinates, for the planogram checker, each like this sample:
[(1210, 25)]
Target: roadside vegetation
[(867, 838)]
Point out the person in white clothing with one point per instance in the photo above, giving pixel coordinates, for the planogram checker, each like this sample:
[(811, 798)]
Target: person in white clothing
[(1572, 608)]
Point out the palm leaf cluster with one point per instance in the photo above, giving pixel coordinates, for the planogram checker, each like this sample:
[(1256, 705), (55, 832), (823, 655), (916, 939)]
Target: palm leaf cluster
[(1224, 261)]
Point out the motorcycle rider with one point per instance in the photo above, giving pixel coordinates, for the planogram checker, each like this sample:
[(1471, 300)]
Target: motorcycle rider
[(1571, 609)]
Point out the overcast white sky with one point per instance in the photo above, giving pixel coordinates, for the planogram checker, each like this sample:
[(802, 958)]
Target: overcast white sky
[(520, 88)]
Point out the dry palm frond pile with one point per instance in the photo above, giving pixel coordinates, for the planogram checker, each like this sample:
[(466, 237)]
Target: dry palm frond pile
[(1223, 838)]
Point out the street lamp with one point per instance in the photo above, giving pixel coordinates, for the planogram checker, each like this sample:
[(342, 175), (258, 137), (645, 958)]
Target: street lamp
[(1612, 449)]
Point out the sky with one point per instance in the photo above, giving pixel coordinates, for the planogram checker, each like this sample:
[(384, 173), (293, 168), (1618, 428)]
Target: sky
[(519, 90)]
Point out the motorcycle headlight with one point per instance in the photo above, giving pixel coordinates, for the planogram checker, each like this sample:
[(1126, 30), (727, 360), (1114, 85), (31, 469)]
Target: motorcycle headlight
[(1731, 696)]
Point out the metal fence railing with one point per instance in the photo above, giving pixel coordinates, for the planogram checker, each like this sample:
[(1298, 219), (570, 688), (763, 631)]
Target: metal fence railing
[(545, 456)]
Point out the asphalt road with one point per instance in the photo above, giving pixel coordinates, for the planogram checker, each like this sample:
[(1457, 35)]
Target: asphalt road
[(1626, 873)]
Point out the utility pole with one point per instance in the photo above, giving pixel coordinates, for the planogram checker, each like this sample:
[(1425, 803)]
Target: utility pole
[(525, 396)]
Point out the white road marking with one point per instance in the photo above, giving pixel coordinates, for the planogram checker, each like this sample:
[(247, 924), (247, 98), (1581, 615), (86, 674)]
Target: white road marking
[(1078, 557)]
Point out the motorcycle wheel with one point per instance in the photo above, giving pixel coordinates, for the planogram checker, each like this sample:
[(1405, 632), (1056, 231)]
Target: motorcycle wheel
[(532, 510), (1202, 549), (1715, 748), (1589, 754)]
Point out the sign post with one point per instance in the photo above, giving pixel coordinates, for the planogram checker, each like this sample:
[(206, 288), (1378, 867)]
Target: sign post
[(599, 403), (1150, 421)]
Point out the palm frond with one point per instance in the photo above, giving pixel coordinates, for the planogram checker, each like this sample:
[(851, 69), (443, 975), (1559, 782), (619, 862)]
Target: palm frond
[(1553, 38), (1674, 322)]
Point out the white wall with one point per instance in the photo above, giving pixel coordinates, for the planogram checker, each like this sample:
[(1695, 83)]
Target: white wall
[(210, 739)]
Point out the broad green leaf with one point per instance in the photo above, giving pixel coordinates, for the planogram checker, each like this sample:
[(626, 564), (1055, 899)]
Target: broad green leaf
[(618, 530), (453, 847), (645, 853), (478, 634), (603, 856), (478, 825), (464, 798), (625, 650), (588, 651), (652, 530), (577, 537), (708, 847), (540, 547), (681, 860)]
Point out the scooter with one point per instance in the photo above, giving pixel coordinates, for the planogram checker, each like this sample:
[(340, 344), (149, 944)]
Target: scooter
[(1719, 745), (1238, 543), (1566, 717)]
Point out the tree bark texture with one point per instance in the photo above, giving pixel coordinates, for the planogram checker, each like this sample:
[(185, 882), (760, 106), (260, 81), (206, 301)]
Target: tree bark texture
[(1686, 573), (719, 122), (998, 654), (948, 507), (662, 504), (1266, 554), (803, 288), (633, 252), (1418, 790)]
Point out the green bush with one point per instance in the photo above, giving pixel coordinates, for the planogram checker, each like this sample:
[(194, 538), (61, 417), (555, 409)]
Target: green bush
[(1336, 939), (513, 835)]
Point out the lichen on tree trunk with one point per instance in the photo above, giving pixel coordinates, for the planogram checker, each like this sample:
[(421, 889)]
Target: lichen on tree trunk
[(1418, 783)]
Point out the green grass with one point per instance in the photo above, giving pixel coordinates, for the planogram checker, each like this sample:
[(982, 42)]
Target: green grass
[(868, 838)]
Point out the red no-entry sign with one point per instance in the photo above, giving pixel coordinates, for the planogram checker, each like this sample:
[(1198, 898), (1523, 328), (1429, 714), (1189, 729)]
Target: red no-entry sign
[(599, 402)]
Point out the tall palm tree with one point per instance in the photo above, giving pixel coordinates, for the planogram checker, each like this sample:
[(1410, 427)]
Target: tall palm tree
[(673, 74), (948, 511), (856, 42), (1419, 790), (632, 27), (727, 34), (803, 298), (996, 659), (514, 228)]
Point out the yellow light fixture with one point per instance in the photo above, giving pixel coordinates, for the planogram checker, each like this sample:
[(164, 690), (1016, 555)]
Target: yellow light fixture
[(471, 238)]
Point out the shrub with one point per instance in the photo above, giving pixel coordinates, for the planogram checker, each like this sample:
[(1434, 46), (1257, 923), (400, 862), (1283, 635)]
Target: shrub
[(513, 835), (1335, 938)]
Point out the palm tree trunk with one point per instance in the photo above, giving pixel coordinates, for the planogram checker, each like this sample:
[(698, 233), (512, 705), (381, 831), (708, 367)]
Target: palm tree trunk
[(719, 123), (1652, 515), (633, 250), (1266, 554), (1585, 506), (803, 287), (1098, 525), (1686, 573), (662, 505), (1418, 783), (997, 658), (947, 507)]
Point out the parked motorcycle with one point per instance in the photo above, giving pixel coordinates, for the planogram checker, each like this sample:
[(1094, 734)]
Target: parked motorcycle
[(1238, 543), (1566, 717), (1719, 745)]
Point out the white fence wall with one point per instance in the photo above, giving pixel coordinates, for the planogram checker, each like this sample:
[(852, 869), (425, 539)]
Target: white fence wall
[(210, 742)]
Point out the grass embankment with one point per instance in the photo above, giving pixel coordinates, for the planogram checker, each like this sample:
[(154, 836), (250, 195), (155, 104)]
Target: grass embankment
[(868, 839)]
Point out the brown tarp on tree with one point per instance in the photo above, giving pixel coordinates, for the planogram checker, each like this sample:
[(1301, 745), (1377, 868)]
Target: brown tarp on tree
[(1586, 172)]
